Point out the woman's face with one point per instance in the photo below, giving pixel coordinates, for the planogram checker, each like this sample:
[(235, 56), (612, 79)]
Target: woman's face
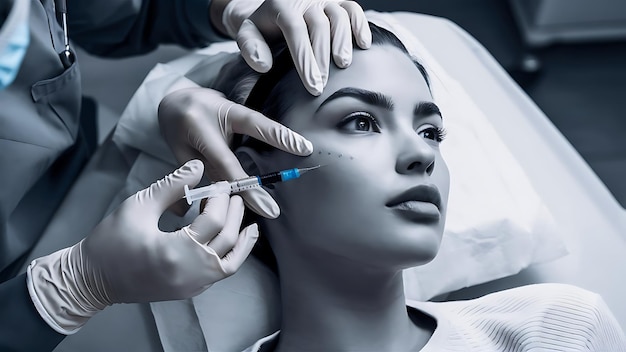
[(380, 196)]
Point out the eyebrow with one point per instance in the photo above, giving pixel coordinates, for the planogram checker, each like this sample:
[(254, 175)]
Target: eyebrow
[(423, 109), (366, 96), (427, 108)]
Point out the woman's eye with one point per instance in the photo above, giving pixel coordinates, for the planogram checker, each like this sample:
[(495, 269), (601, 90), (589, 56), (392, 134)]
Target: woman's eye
[(359, 122), (433, 133)]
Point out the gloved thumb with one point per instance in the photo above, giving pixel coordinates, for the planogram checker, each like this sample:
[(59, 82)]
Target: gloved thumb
[(253, 47), (261, 202), (163, 193), (233, 260)]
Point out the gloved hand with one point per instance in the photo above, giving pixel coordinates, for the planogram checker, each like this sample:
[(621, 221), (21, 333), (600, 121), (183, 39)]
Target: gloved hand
[(310, 27), (128, 259), (198, 123)]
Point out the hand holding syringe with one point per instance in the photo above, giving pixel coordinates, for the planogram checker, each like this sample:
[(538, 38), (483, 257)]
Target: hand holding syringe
[(243, 184)]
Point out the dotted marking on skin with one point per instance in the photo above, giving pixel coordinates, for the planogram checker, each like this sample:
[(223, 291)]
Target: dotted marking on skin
[(331, 154)]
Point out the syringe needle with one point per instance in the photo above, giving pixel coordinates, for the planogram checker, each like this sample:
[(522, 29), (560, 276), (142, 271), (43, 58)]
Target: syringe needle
[(307, 169)]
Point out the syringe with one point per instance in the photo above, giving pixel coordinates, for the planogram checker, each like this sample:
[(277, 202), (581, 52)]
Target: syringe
[(230, 187)]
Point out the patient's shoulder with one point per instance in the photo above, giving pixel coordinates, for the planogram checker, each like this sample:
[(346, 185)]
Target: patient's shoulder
[(540, 295), (539, 315), (537, 302)]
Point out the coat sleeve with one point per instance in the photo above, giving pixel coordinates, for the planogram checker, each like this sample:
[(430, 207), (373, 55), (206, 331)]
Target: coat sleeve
[(118, 28), (21, 327)]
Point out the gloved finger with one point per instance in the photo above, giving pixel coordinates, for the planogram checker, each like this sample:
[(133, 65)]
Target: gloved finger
[(256, 125), (220, 160), (163, 193), (319, 33), (227, 238), (206, 226), (208, 146), (233, 260), (253, 47), (296, 35), (257, 200), (341, 34), (223, 165), (360, 26)]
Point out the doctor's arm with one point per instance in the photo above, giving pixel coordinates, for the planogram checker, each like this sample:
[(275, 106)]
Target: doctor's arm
[(21, 326), (118, 28), (125, 259), (313, 29)]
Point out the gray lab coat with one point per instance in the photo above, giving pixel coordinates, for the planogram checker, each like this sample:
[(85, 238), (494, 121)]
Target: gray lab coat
[(39, 115)]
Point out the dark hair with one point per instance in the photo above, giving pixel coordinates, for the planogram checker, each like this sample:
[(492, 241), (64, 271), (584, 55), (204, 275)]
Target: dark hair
[(267, 94)]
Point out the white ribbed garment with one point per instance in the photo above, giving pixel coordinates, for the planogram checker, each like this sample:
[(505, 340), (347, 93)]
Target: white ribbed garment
[(541, 317)]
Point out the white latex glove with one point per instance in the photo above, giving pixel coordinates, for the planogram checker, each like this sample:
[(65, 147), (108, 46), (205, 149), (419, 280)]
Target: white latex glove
[(311, 29), (199, 123), (128, 259)]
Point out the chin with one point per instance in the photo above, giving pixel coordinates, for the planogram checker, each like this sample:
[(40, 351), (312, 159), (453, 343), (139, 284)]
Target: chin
[(405, 249), (419, 247)]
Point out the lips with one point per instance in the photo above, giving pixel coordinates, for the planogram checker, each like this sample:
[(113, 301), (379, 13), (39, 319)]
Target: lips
[(421, 193), (422, 202)]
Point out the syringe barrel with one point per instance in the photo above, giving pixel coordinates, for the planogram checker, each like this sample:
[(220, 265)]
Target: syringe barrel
[(244, 184), (256, 181)]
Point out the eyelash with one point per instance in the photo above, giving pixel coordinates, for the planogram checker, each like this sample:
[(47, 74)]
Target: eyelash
[(440, 132), (355, 115)]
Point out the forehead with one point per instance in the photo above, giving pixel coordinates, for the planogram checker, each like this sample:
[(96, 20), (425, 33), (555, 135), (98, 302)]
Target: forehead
[(382, 68)]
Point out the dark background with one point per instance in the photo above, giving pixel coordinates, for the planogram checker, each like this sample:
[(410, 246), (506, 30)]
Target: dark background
[(581, 87)]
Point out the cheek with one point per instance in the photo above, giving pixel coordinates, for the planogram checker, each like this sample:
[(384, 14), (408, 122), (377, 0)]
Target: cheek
[(341, 179), (441, 178), (331, 193), (328, 156), (340, 208), (327, 210), (342, 154), (356, 170), (364, 152)]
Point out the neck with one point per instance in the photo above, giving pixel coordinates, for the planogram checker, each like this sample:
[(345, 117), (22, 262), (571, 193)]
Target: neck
[(334, 304)]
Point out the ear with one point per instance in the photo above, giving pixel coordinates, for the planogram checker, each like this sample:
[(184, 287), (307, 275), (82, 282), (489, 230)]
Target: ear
[(253, 163)]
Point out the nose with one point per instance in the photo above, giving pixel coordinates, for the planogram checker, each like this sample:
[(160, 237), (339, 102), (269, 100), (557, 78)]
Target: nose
[(415, 155)]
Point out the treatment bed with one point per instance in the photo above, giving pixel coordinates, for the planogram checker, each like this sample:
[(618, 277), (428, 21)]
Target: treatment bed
[(591, 222)]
